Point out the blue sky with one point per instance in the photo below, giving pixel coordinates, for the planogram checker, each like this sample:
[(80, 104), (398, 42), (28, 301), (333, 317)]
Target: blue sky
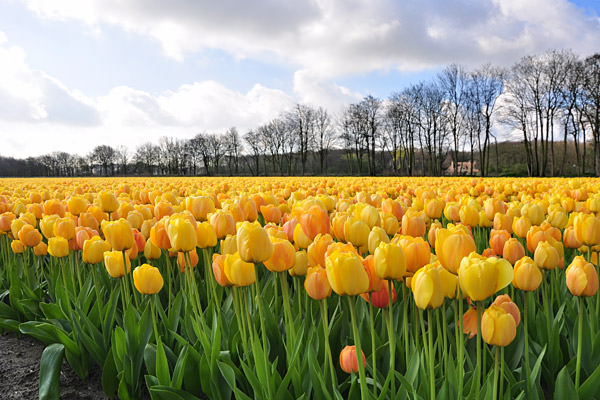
[(77, 73)]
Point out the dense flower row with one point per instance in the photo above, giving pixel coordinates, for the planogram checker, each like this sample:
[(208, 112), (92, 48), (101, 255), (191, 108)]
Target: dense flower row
[(203, 260)]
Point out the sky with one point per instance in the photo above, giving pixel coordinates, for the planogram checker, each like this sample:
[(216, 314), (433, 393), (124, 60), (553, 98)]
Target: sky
[(75, 74)]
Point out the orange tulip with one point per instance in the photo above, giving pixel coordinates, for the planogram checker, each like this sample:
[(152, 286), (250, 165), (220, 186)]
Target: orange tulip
[(349, 360)]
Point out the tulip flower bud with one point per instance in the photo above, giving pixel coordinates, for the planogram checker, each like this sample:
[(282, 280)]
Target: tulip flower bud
[(452, 246), (513, 251), (114, 263), (151, 251), (77, 205), (527, 275), (498, 327), (182, 262), (349, 361), (17, 246), (521, 226), (41, 249), (390, 262), (427, 287), (469, 322), (376, 236), (570, 239), (582, 278), (481, 277), (218, 267), (223, 223), (94, 249), (316, 283), (206, 235), (271, 213), (546, 256), (118, 234), (346, 273), (509, 306), (237, 271), (587, 229), (469, 215), (58, 247), (283, 257), (182, 233), (253, 243), (147, 279), (416, 251), (413, 224), (356, 231), (29, 236), (108, 202), (300, 264), (381, 297), (200, 207), (503, 222)]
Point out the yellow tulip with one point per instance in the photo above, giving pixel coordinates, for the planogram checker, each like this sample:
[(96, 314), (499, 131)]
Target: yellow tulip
[(427, 288), (376, 236), (182, 234), (147, 279), (498, 327), (93, 250), (114, 263), (546, 256), (58, 247), (451, 246), (582, 278), (346, 273), (237, 271), (481, 277), (253, 243), (390, 262), (284, 255), (206, 235), (527, 275), (118, 234)]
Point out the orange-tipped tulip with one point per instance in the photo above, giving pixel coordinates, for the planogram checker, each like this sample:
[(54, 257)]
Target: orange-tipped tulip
[(582, 278)]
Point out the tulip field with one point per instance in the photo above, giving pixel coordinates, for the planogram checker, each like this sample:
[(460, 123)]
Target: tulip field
[(301, 288)]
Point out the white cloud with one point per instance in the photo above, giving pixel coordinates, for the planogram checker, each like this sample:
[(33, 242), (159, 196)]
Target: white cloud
[(38, 114), (339, 37)]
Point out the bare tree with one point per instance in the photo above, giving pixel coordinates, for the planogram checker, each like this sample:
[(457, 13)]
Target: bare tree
[(255, 145), (233, 148), (104, 156)]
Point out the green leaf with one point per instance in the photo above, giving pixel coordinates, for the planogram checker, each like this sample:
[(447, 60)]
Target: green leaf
[(110, 380), (50, 365), (169, 393), (591, 387), (178, 372), (535, 371), (162, 365), (564, 388)]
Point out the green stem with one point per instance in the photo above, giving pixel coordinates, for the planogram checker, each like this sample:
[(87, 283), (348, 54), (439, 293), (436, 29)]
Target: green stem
[(496, 362), (373, 347), (169, 278), (328, 359), (461, 338), (290, 328), (579, 340), (361, 366), (405, 323), (477, 380), (154, 324), (501, 373), (262, 327), (525, 328), (431, 361), (240, 319), (392, 338)]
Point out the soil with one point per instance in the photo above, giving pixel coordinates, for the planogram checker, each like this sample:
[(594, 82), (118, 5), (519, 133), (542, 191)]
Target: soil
[(20, 372)]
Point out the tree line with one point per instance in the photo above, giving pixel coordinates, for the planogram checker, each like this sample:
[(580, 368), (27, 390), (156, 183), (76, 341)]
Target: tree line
[(545, 109)]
